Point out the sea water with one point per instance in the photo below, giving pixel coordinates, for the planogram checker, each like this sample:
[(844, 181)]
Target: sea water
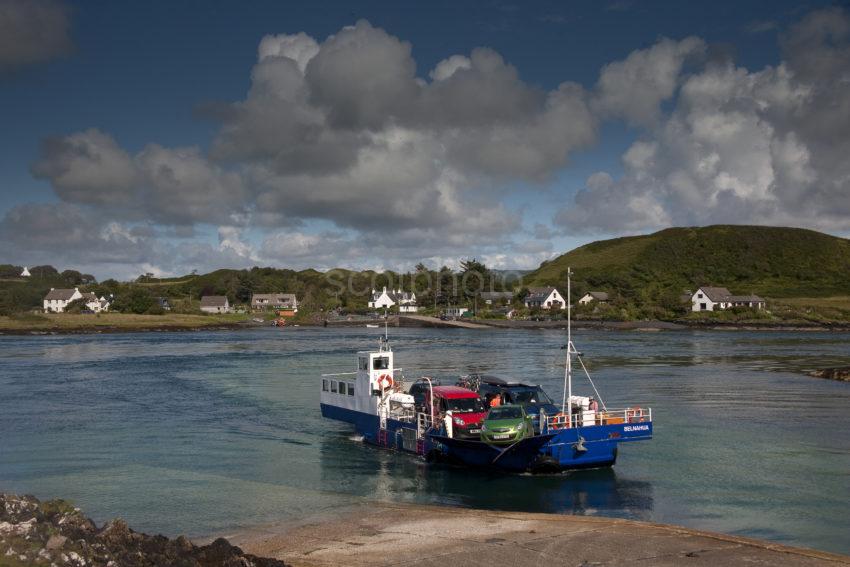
[(208, 432)]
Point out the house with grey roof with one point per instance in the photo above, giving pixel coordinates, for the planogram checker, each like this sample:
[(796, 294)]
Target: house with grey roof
[(215, 304), (598, 296), (544, 298), (57, 300), (718, 298), (406, 300), (274, 301)]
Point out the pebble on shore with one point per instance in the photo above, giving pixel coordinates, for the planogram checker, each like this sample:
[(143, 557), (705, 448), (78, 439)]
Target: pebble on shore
[(55, 533)]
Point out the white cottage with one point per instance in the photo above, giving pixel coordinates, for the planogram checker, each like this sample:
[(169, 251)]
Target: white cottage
[(95, 304), (57, 300), (600, 296), (384, 299), (381, 300), (719, 298), (545, 298), (215, 304), (25, 273)]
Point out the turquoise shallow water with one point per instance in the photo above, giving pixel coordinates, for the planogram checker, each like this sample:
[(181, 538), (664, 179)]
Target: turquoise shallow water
[(202, 433)]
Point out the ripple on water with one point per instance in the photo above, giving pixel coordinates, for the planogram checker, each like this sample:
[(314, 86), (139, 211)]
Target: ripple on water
[(203, 432)]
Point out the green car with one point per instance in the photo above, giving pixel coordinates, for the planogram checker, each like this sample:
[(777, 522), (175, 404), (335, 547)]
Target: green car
[(506, 424)]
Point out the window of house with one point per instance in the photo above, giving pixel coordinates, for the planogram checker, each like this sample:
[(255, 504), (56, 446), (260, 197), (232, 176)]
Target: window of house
[(703, 306), (699, 295), (324, 385)]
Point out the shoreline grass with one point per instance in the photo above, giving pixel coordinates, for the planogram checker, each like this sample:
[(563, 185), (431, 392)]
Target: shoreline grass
[(69, 322)]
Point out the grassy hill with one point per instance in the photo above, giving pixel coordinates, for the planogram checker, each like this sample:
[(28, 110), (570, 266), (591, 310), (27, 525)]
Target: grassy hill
[(773, 262), (804, 274)]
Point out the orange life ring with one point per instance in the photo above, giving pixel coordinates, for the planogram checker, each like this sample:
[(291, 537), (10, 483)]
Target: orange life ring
[(385, 378)]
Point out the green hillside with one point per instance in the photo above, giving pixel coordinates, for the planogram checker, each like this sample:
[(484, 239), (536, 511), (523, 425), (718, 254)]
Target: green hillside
[(773, 262)]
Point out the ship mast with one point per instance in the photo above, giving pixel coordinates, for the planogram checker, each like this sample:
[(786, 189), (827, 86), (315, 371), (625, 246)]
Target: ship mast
[(568, 373)]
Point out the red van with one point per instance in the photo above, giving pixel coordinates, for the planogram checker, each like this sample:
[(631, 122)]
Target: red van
[(467, 409)]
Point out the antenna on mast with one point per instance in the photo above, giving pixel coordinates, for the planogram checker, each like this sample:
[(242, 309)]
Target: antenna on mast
[(385, 340)]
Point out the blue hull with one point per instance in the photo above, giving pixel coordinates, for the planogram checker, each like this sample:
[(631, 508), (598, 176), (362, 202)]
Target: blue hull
[(564, 449), (369, 427), (594, 446), (521, 456)]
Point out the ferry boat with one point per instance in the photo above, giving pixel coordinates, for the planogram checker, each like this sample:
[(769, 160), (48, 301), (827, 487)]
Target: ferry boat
[(585, 433)]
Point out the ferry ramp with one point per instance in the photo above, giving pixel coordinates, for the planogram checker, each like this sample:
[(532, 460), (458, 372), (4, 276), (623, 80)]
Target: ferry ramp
[(384, 534), (426, 321)]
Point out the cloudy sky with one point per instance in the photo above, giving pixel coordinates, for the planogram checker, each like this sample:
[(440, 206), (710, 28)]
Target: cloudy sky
[(174, 136)]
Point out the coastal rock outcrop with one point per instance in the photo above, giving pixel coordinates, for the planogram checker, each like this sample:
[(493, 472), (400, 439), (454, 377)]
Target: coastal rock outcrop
[(840, 374), (54, 533)]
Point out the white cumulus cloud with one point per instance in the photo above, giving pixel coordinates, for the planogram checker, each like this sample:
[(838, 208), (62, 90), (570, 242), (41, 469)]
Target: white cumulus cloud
[(740, 146)]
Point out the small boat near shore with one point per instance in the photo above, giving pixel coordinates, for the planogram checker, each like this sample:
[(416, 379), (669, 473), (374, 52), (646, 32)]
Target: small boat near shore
[(584, 433)]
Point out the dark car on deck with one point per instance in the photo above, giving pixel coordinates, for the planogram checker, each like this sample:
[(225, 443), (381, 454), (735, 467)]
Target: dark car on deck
[(419, 391), (530, 396)]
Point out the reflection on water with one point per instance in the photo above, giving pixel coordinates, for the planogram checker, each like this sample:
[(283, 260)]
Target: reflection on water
[(204, 432), (390, 476)]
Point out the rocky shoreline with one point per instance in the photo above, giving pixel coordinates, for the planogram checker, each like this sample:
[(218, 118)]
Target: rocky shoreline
[(54, 533), (841, 374), (381, 534)]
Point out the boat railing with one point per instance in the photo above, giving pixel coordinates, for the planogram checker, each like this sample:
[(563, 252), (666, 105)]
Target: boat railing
[(423, 423), (394, 370), (403, 414), (587, 418)]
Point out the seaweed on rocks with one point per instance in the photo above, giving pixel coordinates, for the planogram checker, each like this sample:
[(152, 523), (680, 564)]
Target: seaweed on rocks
[(56, 533), (840, 374)]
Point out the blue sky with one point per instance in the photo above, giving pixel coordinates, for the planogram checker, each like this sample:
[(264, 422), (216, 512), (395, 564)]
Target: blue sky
[(144, 133)]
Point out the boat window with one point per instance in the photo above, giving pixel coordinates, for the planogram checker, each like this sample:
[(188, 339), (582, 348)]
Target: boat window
[(466, 405), (342, 388), (333, 386), (536, 396), (381, 363), (363, 363), (324, 385), (351, 389)]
